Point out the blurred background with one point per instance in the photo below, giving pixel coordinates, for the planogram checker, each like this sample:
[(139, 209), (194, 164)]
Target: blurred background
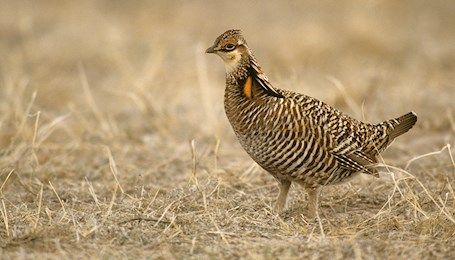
[(139, 66), (102, 98)]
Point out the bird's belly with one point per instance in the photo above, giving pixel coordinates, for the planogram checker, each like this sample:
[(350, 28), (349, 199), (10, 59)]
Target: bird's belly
[(291, 160)]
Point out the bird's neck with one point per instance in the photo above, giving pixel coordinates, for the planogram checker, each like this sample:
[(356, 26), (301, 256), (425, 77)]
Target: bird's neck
[(240, 70), (236, 76), (247, 80)]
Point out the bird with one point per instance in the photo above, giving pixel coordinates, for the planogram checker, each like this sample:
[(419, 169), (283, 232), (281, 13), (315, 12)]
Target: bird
[(295, 137)]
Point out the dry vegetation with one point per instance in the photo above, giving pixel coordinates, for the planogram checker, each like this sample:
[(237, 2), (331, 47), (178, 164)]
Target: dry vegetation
[(100, 102)]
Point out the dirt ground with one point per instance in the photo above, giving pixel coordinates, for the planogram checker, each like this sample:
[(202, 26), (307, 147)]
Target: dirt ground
[(114, 142)]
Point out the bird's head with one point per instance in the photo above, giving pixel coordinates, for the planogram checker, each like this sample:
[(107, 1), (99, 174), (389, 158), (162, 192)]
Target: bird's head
[(231, 47)]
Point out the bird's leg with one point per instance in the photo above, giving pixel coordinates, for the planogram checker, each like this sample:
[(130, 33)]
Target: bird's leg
[(281, 200), (313, 194)]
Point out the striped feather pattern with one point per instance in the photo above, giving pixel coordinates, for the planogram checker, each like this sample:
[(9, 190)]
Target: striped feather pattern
[(299, 138), (293, 136)]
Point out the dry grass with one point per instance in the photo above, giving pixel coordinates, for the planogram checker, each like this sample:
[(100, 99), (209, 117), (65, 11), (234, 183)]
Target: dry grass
[(114, 142)]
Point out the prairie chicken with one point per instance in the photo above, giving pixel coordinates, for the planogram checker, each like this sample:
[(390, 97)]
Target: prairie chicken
[(294, 137)]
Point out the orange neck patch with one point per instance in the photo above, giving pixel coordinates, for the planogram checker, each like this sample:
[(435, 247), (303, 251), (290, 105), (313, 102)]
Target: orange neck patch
[(248, 87)]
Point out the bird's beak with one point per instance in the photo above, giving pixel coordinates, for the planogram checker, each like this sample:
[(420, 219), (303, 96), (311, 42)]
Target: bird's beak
[(210, 50)]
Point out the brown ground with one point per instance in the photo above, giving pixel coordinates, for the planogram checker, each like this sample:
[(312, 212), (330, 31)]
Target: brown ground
[(99, 102)]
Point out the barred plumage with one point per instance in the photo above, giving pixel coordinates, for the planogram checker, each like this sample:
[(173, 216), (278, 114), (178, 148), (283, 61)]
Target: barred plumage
[(293, 136)]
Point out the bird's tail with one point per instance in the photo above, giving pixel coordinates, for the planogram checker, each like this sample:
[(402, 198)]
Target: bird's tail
[(401, 125)]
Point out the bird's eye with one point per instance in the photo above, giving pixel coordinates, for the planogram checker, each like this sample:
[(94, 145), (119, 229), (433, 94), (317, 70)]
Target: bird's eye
[(229, 47)]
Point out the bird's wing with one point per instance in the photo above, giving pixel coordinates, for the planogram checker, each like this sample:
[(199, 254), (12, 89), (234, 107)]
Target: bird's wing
[(370, 140), (350, 140), (342, 137)]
